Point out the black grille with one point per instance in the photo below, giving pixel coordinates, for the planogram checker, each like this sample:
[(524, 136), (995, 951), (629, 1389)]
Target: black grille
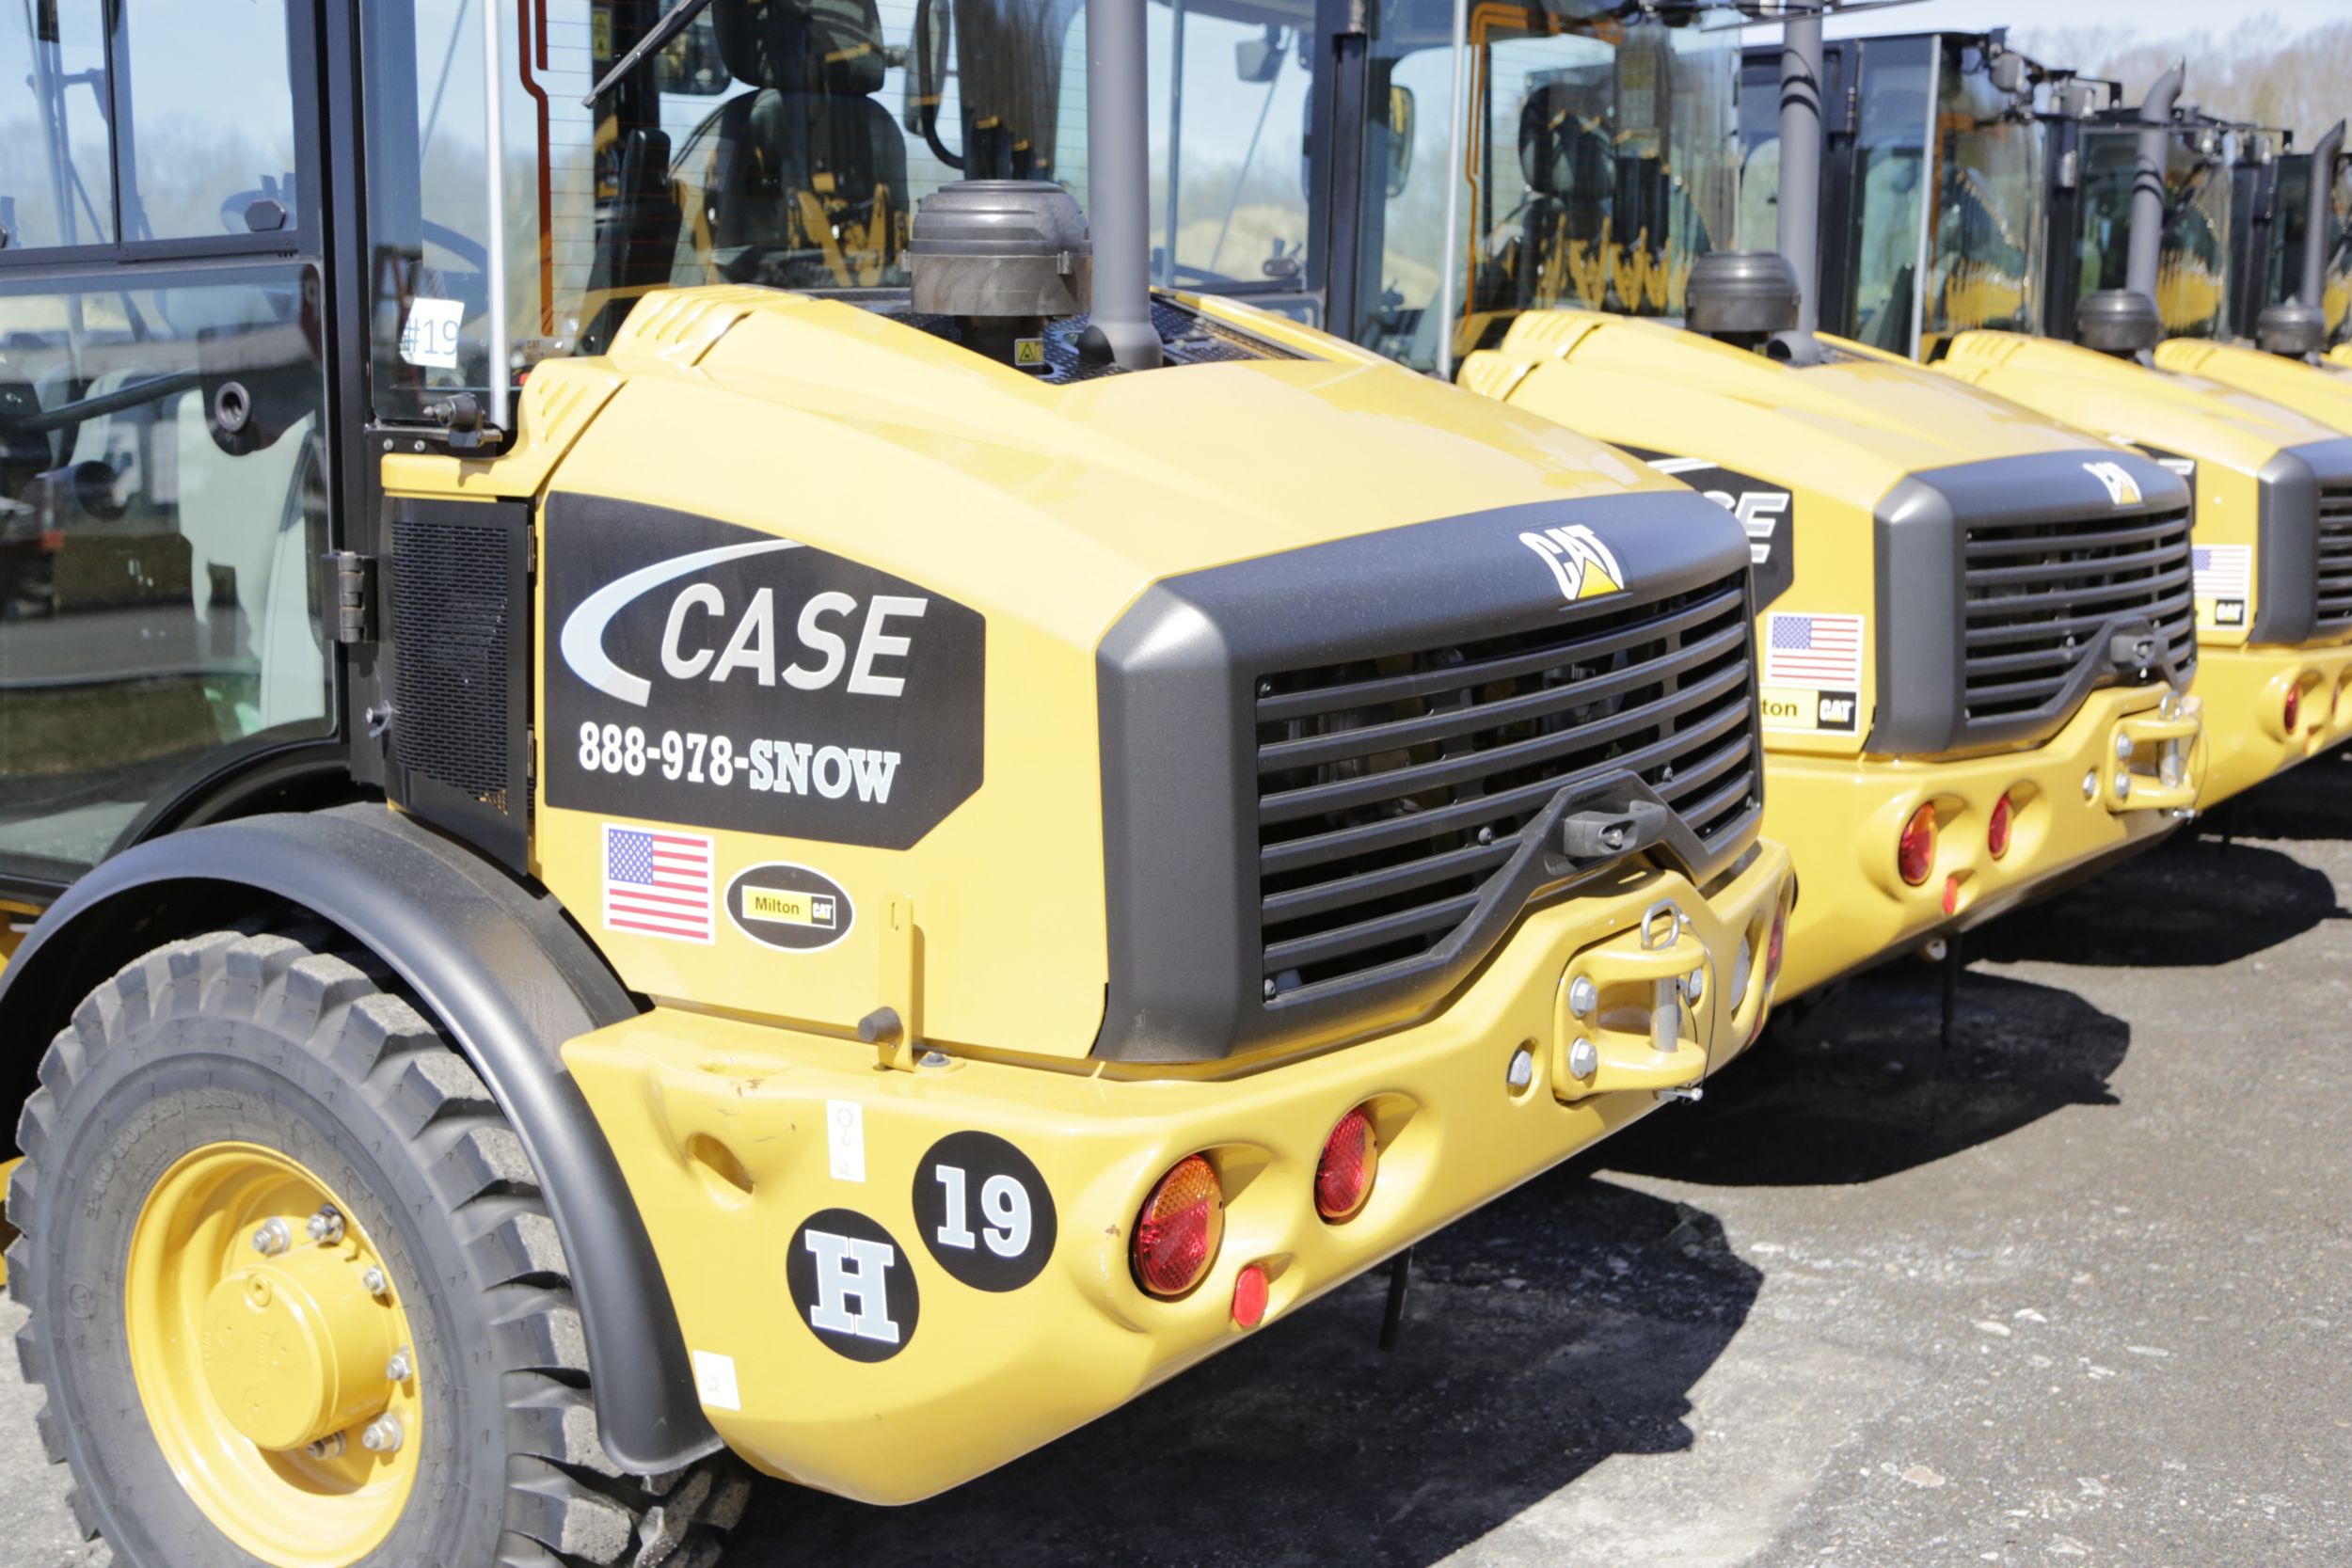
[(452, 620), (1391, 791), (2040, 597), (2335, 558)]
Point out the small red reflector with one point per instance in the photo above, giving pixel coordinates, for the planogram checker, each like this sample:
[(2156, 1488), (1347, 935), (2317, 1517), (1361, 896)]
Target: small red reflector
[(1351, 1158), (1181, 1224), (1951, 895), (1249, 1292), (1996, 832), (1914, 853), (2294, 706), (1772, 948)]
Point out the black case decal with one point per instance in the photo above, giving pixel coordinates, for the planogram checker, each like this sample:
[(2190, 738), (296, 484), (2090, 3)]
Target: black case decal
[(1767, 512), (712, 676)]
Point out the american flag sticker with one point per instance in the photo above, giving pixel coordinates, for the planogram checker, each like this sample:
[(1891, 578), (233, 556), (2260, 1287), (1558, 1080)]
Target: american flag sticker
[(2223, 571), (1813, 650), (656, 884)]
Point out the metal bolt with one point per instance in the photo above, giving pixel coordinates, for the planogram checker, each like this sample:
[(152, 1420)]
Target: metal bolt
[(382, 1435), (1936, 950), (1269, 988), (2123, 784), (1486, 835), (1583, 996), (398, 1369), (1265, 688), (1583, 1057), (274, 1237), (2123, 747), (2090, 784), (1690, 1092), (374, 1282), (328, 1446), (1695, 986), (326, 1226), (931, 1059), (1521, 1071)]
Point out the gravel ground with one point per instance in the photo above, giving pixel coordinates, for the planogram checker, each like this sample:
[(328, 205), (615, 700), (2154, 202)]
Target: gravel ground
[(2078, 1288)]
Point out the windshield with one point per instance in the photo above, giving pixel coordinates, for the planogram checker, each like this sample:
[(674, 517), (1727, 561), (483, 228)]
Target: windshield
[(778, 142), (1599, 159), (2192, 275), (1984, 255)]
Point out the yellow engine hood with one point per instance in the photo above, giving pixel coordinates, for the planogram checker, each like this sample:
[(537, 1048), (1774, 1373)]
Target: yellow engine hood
[(1849, 429), (2193, 416), (2318, 392)]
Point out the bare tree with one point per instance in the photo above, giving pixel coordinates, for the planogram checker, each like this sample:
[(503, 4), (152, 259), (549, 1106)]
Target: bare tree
[(2255, 69)]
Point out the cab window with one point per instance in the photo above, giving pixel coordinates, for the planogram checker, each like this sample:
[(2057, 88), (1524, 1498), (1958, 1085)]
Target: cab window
[(1231, 93)]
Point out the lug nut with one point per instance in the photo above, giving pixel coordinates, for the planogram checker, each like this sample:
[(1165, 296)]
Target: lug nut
[(383, 1435), (326, 1226), (1583, 1058), (274, 1237), (374, 1283), (328, 1446), (1521, 1071), (1583, 996), (397, 1369)]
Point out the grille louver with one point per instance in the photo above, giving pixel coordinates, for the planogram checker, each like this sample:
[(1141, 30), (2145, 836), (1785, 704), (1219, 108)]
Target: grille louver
[(2335, 558), (2040, 597), (1391, 791)]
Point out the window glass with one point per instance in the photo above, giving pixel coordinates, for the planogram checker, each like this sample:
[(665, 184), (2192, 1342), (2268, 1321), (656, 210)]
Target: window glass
[(1228, 128), (1406, 173), (1984, 257), (2192, 279), (54, 185), (1759, 223), (1890, 157), (778, 142), (1599, 161), (2284, 277), (207, 92), (161, 512)]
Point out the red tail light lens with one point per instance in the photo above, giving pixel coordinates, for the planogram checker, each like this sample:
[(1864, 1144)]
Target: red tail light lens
[(1915, 855), (1181, 1228), (1249, 1295), (1351, 1158), (1996, 831), (2294, 708), (1771, 948)]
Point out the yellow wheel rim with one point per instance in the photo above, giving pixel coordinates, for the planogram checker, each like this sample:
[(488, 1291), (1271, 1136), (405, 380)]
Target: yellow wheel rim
[(272, 1373)]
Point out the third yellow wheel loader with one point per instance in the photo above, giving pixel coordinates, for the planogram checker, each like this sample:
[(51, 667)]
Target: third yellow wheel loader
[(1939, 229), (1975, 623)]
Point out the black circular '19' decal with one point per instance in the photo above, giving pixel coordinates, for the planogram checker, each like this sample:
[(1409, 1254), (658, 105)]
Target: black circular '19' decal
[(984, 1211), (852, 1285)]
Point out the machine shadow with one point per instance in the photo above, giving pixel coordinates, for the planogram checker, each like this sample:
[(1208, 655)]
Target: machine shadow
[(2190, 903), (1861, 1087), (2311, 801), (1559, 1325)]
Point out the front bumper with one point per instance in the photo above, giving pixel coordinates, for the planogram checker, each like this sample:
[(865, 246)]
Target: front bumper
[(2245, 690), (736, 1138), (1842, 820)]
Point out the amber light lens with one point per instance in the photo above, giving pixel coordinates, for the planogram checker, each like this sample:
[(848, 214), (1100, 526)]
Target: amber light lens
[(1996, 831), (1914, 853), (1351, 1158), (1181, 1228)]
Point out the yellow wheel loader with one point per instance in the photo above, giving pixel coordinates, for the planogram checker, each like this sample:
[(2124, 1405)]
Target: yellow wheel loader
[(726, 792), (1948, 246), (2307, 262), (1975, 623)]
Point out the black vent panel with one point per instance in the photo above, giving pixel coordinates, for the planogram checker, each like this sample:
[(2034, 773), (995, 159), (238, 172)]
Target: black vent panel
[(2040, 596), (1392, 790), (2335, 558), (460, 642)]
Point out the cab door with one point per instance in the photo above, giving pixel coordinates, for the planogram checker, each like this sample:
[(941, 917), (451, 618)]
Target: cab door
[(166, 458)]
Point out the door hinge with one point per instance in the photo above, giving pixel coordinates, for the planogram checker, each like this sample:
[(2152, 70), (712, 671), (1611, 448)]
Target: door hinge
[(355, 596)]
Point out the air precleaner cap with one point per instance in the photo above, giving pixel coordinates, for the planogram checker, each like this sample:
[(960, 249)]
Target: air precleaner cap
[(2118, 321), (1742, 294), (2291, 327), (1000, 248)]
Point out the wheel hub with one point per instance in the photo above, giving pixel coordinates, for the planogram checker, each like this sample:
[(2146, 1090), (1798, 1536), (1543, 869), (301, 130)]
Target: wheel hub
[(295, 1349)]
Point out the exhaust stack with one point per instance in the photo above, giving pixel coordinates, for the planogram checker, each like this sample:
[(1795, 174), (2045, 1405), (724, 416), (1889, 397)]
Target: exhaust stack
[(1800, 216), (1119, 184), (2297, 328), (2156, 145)]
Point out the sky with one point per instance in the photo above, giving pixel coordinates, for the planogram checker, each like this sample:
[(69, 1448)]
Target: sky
[(2153, 18)]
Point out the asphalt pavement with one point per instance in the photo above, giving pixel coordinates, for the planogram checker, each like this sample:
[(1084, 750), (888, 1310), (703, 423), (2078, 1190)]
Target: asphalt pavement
[(2077, 1287)]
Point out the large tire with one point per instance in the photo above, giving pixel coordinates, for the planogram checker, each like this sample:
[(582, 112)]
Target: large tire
[(237, 1040)]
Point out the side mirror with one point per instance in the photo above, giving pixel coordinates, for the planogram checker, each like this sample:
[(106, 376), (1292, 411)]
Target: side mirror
[(1400, 138), (2009, 73), (1258, 60)]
